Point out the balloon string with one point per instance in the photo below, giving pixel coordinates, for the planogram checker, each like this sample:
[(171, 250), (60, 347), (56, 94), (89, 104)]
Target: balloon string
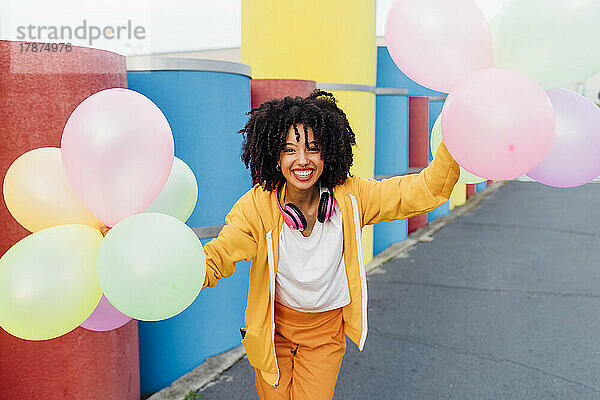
[(104, 230)]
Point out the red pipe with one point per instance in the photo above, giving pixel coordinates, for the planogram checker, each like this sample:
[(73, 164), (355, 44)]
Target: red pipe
[(262, 90), (79, 365), (418, 131), (38, 93), (416, 222), (418, 145), (471, 189)]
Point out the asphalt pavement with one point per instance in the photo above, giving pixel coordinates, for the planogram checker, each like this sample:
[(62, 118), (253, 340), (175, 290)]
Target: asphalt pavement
[(501, 303)]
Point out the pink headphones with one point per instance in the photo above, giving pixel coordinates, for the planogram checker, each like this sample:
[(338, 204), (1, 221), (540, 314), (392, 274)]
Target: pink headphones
[(294, 218)]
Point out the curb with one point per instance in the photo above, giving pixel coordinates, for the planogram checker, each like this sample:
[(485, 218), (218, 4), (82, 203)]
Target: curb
[(200, 376), (214, 366)]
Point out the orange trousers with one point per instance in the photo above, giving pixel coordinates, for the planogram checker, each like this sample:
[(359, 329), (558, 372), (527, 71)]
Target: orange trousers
[(309, 349)]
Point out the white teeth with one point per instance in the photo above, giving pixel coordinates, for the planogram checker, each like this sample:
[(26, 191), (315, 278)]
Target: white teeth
[(303, 173)]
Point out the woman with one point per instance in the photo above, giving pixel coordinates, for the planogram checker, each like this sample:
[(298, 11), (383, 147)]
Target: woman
[(301, 227)]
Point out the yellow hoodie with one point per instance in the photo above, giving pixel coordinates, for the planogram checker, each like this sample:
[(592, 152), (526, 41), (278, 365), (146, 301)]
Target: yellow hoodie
[(252, 230)]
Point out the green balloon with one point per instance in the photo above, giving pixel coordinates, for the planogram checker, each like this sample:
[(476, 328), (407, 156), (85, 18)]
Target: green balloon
[(48, 282), (434, 142), (151, 266), (179, 195), (555, 42)]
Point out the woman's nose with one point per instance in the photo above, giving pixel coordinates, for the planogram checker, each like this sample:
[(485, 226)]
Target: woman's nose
[(302, 157)]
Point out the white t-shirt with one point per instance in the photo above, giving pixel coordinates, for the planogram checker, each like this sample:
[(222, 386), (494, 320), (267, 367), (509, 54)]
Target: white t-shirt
[(311, 275)]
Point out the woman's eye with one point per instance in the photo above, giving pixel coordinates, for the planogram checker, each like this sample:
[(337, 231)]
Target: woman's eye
[(288, 150)]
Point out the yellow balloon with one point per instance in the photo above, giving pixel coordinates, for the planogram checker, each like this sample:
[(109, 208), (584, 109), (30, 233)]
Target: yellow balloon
[(434, 142), (49, 282), (38, 194)]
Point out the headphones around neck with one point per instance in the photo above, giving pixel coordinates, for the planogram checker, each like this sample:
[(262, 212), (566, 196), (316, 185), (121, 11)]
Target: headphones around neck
[(293, 217)]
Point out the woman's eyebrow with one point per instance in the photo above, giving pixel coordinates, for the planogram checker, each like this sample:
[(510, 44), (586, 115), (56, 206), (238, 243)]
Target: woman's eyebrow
[(295, 144)]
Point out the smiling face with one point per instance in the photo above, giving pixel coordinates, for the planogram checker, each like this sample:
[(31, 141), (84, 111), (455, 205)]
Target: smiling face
[(301, 166)]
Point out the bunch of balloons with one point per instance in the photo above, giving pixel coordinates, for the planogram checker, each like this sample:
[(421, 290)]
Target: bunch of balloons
[(506, 114), (115, 172)]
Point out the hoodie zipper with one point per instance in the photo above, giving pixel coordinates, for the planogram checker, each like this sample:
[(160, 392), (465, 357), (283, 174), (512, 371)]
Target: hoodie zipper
[(363, 275), (363, 282), (272, 298)]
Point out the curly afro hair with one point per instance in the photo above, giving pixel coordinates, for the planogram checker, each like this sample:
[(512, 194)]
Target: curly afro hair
[(266, 131)]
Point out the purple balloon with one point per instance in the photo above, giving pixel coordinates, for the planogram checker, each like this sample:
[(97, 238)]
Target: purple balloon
[(573, 158), (105, 317)]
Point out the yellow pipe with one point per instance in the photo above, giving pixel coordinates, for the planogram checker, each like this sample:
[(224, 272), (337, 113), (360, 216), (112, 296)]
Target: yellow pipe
[(325, 41), (459, 195), (360, 110), (320, 40)]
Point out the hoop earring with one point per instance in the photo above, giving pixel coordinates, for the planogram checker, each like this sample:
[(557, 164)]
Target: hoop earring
[(278, 167)]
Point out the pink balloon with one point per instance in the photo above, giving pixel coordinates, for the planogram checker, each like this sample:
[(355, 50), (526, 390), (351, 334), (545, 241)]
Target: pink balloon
[(498, 124), (117, 150), (105, 317), (437, 43), (573, 159)]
